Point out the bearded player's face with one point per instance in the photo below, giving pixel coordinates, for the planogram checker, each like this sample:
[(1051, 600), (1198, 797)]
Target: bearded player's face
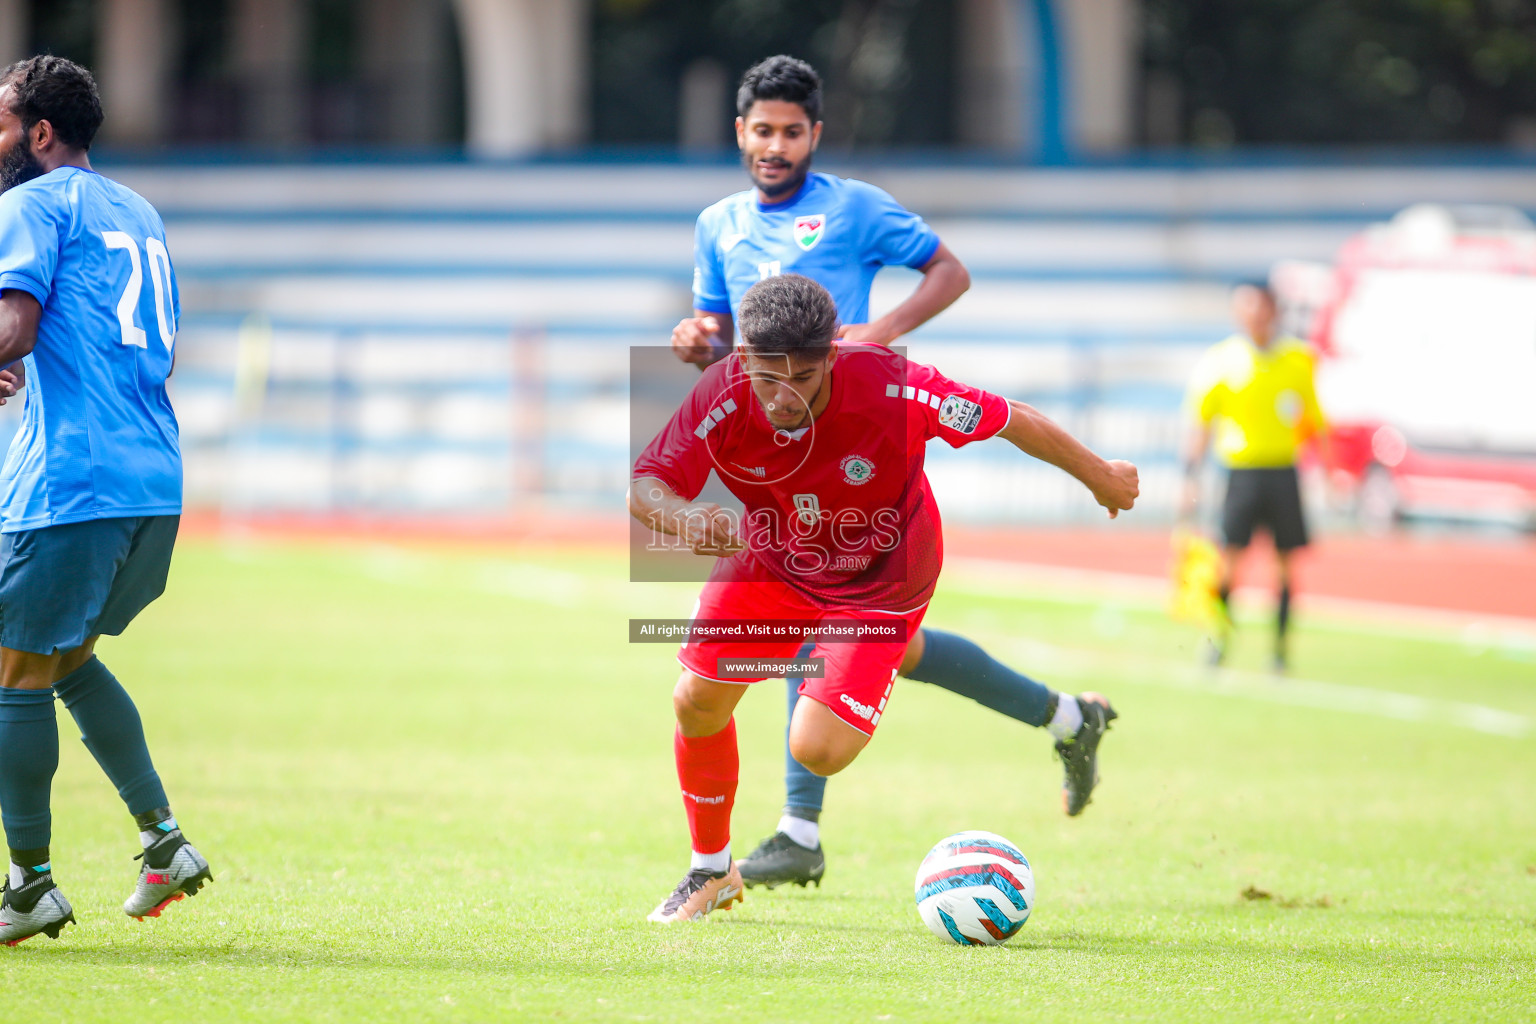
[(17, 162), (777, 139), (786, 386)]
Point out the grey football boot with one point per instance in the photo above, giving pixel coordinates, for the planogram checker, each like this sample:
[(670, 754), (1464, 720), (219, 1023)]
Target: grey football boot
[(779, 859), (172, 869), (37, 906)]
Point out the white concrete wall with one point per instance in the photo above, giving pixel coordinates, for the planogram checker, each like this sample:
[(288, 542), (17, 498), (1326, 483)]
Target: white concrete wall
[(137, 41), (525, 74), (1103, 47), (269, 37), (527, 68), (404, 62), (13, 31), (564, 33), (994, 69), (998, 68)]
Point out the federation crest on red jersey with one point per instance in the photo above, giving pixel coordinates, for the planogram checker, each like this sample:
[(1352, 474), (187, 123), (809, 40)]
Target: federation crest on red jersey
[(857, 469)]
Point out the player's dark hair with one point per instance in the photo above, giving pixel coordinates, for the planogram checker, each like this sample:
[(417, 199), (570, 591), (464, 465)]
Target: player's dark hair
[(59, 91), (1259, 285), (781, 78), (788, 314)]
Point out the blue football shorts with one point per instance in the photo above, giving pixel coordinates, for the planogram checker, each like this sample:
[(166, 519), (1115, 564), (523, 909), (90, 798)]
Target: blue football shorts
[(62, 584)]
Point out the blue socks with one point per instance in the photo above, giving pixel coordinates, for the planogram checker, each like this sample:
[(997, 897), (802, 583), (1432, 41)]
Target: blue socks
[(960, 666), (111, 730), (803, 788), (29, 755), (951, 662)]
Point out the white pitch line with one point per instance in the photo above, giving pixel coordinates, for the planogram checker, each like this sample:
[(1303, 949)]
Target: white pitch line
[(1093, 586), (534, 582), (537, 582), (1315, 693), (979, 576), (1051, 659)]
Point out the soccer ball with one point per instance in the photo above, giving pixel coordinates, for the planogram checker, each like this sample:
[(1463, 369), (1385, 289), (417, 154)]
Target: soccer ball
[(975, 889)]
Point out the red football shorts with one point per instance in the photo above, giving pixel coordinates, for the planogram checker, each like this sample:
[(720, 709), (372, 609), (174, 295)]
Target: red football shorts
[(859, 674)]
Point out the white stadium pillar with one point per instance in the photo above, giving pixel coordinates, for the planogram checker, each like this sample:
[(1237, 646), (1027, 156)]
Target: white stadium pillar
[(1102, 40), (14, 31), (133, 68), (405, 67), (1048, 78), (525, 72), (564, 28), (500, 70), (994, 70), (269, 46)]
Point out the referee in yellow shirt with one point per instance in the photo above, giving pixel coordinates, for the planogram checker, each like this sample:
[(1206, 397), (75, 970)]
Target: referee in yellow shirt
[(1253, 396)]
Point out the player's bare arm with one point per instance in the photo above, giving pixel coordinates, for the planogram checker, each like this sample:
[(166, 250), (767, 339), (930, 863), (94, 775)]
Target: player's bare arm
[(945, 279), (703, 338), (1113, 482), (1320, 437), (19, 316), (707, 528), (1196, 444)]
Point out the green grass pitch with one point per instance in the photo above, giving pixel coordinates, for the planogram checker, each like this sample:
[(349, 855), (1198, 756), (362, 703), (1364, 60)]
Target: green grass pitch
[(438, 786)]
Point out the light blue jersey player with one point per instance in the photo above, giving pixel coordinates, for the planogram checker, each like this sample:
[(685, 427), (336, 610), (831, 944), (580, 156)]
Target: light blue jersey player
[(90, 496), (840, 232)]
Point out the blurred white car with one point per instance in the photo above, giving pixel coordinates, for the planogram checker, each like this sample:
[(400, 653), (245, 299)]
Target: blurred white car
[(1427, 330)]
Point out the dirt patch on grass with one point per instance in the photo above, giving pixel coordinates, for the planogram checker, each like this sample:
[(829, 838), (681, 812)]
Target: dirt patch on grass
[(1253, 894)]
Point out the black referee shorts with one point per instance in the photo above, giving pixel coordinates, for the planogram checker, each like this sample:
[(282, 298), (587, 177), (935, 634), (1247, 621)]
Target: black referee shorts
[(1264, 497)]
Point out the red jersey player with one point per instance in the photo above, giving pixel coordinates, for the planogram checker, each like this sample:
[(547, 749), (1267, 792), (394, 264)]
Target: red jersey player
[(823, 444)]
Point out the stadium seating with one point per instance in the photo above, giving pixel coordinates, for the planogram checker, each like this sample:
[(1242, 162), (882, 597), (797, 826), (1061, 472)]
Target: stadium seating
[(405, 337)]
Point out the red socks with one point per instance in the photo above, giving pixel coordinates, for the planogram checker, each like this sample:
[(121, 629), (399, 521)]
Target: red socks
[(707, 767)]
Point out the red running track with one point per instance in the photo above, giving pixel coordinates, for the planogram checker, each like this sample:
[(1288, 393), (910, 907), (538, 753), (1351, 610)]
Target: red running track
[(1495, 576), (1468, 574)]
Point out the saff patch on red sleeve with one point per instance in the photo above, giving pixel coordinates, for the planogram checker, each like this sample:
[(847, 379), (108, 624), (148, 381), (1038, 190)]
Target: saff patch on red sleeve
[(959, 414)]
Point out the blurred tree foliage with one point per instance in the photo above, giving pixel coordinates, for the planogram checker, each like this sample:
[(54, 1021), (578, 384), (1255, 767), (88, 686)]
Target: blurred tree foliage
[(887, 65), (1341, 71)]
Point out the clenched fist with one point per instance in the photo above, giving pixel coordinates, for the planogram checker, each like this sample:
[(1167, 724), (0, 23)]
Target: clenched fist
[(1119, 488), (696, 339)]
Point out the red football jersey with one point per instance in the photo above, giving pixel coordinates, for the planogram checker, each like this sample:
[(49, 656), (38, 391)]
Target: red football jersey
[(841, 510)]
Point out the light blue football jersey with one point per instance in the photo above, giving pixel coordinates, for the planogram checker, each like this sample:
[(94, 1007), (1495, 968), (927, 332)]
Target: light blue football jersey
[(838, 232), (98, 438)]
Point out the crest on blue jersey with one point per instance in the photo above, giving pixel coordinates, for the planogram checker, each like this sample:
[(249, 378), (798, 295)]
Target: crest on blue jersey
[(809, 228)]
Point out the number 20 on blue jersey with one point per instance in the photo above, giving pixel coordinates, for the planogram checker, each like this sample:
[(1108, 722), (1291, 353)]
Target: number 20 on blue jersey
[(160, 277)]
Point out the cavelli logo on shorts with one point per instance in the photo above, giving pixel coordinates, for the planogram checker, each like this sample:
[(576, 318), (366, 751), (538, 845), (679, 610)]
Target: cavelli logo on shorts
[(862, 710), (858, 470), (959, 414)]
